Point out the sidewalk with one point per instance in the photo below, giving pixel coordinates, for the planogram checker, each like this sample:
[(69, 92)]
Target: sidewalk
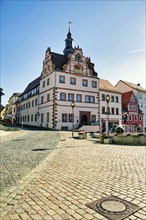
[(77, 173)]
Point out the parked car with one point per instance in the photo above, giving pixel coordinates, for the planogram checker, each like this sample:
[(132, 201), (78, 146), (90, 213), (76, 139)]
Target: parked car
[(6, 120)]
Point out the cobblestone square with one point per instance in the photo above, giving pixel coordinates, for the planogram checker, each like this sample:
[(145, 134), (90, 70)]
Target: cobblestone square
[(76, 173)]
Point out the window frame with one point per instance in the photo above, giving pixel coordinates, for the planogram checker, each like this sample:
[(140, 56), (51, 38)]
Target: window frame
[(61, 79)]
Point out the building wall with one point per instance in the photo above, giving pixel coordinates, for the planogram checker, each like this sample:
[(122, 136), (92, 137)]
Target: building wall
[(113, 118), (134, 120), (27, 115), (140, 95), (56, 107)]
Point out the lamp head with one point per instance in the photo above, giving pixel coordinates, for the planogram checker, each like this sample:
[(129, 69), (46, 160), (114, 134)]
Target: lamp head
[(72, 104), (107, 98)]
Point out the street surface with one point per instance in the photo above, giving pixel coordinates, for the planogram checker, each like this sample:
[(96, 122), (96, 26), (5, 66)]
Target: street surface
[(75, 173)]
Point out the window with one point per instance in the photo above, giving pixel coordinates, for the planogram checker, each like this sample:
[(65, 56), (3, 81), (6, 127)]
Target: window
[(78, 98), (84, 82), (42, 99), (94, 84), (43, 84), (28, 118), (113, 111), (103, 110), (117, 99), (42, 117), (62, 96), (140, 105), (32, 103), (132, 107), (73, 81), (117, 111), (36, 102), (93, 118), (26, 105), (87, 98), (140, 96), (71, 118), (35, 117), (112, 98), (34, 91), (132, 99), (64, 117), (47, 117), (135, 117), (48, 81), (103, 97), (130, 118), (92, 99), (62, 79), (31, 117), (140, 118), (70, 97), (29, 104), (48, 97)]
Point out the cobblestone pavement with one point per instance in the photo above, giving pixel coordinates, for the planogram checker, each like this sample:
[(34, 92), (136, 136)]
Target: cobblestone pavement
[(78, 172), (22, 151)]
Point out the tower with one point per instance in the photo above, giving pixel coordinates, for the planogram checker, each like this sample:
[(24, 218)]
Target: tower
[(68, 44)]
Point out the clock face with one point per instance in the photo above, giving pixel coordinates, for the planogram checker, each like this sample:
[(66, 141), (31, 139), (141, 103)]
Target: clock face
[(78, 57)]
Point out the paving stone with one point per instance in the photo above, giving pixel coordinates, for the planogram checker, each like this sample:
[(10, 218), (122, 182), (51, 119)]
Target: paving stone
[(81, 173)]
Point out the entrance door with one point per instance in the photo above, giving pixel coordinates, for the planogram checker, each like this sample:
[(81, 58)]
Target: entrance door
[(84, 120)]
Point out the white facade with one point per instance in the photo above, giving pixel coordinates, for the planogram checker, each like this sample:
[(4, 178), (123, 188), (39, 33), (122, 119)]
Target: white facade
[(65, 79), (58, 89), (140, 94), (28, 107), (115, 111)]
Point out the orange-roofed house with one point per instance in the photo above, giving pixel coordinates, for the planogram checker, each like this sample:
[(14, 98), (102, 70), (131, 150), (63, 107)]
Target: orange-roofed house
[(132, 115)]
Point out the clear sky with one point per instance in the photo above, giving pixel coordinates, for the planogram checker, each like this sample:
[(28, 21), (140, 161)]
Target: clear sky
[(111, 33)]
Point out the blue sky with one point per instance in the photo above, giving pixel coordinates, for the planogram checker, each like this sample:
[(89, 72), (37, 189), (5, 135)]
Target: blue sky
[(111, 33)]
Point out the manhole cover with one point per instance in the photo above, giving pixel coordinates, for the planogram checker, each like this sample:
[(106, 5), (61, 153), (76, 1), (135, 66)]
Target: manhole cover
[(113, 207)]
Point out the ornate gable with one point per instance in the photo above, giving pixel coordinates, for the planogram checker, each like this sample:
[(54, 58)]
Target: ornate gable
[(48, 65), (79, 64)]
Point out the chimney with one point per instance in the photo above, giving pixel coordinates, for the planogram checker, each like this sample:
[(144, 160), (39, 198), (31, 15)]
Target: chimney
[(138, 84)]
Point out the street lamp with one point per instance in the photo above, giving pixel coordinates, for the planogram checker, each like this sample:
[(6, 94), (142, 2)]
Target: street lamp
[(72, 105), (107, 101)]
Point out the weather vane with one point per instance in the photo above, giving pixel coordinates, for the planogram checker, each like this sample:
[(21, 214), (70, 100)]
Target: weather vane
[(69, 23)]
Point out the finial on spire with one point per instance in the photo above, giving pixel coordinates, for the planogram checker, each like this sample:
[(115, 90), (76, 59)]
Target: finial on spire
[(69, 23)]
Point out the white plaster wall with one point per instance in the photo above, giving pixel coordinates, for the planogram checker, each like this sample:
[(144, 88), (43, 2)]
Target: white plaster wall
[(30, 111)]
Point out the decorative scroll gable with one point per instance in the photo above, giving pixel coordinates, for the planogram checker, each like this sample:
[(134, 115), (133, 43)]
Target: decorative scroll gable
[(78, 64), (48, 65)]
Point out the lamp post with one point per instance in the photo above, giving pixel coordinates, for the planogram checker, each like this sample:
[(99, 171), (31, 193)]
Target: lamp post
[(72, 105), (107, 101)]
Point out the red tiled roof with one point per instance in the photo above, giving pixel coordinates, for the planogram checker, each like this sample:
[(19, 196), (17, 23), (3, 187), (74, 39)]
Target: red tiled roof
[(126, 97)]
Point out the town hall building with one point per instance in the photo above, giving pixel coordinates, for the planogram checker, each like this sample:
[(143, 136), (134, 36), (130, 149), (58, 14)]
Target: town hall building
[(66, 93)]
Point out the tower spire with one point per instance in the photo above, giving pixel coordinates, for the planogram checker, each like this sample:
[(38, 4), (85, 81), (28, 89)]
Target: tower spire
[(68, 42)]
